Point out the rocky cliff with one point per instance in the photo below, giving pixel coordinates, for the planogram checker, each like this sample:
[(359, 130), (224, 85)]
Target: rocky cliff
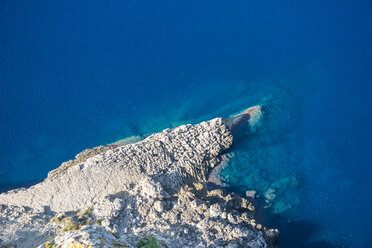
[(152, 192)]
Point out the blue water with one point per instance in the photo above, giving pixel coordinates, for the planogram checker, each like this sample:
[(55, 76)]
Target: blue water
[(76, 74)]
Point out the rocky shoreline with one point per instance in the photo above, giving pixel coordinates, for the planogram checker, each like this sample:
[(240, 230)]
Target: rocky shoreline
[(151, 193)]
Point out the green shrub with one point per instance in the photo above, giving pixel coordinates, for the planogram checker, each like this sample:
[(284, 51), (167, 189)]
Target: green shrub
[(69, 224), (115, 235), (151, 243)]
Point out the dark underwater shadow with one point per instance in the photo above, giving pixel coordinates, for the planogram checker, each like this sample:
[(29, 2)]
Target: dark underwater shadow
[(299, 234), (293, 234)]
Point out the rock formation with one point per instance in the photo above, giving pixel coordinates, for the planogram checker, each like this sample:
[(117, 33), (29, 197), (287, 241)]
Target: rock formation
[(150, 191)]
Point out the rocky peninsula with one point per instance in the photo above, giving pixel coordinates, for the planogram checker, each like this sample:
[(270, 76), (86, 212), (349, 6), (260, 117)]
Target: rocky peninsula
[(150, 193)]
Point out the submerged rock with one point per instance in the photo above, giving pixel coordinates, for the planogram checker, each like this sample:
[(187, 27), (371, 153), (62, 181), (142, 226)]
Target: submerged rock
[(251, 193), (253, 117), (152, 188)]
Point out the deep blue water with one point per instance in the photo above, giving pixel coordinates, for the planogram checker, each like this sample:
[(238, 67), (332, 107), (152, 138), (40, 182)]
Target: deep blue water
[(76, 74)]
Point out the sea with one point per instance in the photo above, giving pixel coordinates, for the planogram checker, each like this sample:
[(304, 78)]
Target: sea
[(77, 74)]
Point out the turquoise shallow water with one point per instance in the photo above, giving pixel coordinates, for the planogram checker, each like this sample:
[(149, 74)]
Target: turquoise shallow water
[(76, 75)]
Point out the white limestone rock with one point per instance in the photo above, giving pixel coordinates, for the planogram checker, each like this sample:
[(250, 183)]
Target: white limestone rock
[(155, 187)]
